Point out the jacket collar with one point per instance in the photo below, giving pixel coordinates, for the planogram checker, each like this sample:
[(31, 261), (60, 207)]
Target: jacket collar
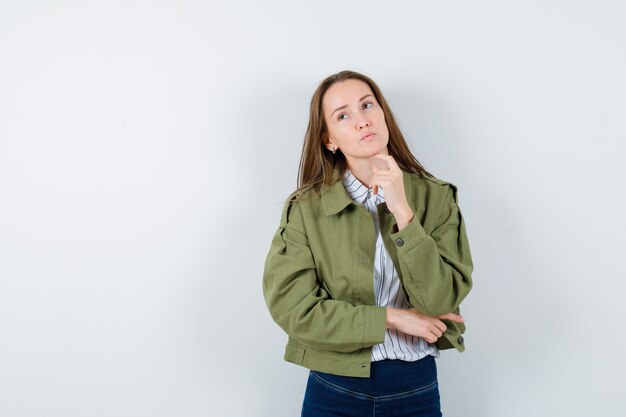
[(335, 197)]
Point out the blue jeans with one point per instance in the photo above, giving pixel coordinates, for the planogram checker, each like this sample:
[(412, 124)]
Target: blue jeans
[(394, 388)]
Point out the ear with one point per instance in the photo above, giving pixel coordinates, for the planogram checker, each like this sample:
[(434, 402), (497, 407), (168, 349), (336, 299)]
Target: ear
[(329, 144)]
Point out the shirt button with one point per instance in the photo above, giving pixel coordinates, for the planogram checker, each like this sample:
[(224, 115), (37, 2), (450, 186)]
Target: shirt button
[(399, 242), (460, 340)]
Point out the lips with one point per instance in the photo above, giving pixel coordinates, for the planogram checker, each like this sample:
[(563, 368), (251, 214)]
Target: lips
[(369, 135)]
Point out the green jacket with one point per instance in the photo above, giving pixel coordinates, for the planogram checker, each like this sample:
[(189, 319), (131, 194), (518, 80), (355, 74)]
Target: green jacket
[(318, 278)]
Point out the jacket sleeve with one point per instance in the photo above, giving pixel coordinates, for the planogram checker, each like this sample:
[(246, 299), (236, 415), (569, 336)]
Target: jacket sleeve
[(300, 305), (436, 268)]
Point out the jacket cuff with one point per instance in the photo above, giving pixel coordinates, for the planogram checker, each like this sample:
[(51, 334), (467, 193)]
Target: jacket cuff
[(409, 237), (375, 319)]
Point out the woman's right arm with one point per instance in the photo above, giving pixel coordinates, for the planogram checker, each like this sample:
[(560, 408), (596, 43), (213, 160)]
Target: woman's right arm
[(412, 322), (301, 307)]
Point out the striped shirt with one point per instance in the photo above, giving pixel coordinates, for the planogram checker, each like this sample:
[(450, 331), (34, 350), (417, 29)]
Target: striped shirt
[(387, 287)]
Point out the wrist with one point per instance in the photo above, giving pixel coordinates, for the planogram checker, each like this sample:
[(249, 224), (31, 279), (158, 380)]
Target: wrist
[(391, 318), (404, 217)]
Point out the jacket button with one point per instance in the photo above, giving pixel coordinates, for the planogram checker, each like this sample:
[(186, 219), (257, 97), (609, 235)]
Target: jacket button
[(460, 340), (399, 242)]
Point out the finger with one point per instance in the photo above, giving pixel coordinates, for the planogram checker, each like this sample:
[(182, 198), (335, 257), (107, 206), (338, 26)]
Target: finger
[(436, 331), (441, 326), (380, 179), (430, 338), (376, 182), (451, 316), (381, 173), (390, 161)]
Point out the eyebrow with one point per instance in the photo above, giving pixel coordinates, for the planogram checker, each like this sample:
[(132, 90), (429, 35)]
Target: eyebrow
[(345, 105)]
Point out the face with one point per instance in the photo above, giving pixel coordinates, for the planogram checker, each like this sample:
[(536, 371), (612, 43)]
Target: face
[(352, 113)]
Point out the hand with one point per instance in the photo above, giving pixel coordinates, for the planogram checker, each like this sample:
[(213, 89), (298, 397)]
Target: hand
[(411, 322), (392, 182)]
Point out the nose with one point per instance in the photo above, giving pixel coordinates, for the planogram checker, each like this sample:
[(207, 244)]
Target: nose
[(362, 123)]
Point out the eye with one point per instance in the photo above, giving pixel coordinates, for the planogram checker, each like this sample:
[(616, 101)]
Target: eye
[(370, 104), (342, 114)]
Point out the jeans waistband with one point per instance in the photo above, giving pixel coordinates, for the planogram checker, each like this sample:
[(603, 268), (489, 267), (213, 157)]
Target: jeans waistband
[(389, 376)]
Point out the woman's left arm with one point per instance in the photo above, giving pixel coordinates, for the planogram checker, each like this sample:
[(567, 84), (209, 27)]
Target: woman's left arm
[(436, 268)]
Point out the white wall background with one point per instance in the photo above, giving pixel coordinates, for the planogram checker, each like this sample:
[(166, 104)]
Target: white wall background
[(146, 149)]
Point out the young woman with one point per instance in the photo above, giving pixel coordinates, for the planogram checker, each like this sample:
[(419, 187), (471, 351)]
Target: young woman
[(369, 264)]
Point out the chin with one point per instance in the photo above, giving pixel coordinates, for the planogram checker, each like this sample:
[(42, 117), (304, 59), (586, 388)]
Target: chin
[(382, 149)]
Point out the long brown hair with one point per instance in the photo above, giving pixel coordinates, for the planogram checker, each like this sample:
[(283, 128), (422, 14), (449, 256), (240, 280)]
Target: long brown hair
[(317, 163)]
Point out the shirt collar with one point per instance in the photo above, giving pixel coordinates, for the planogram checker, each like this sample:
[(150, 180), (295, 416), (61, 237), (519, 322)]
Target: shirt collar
[(358, 191)]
